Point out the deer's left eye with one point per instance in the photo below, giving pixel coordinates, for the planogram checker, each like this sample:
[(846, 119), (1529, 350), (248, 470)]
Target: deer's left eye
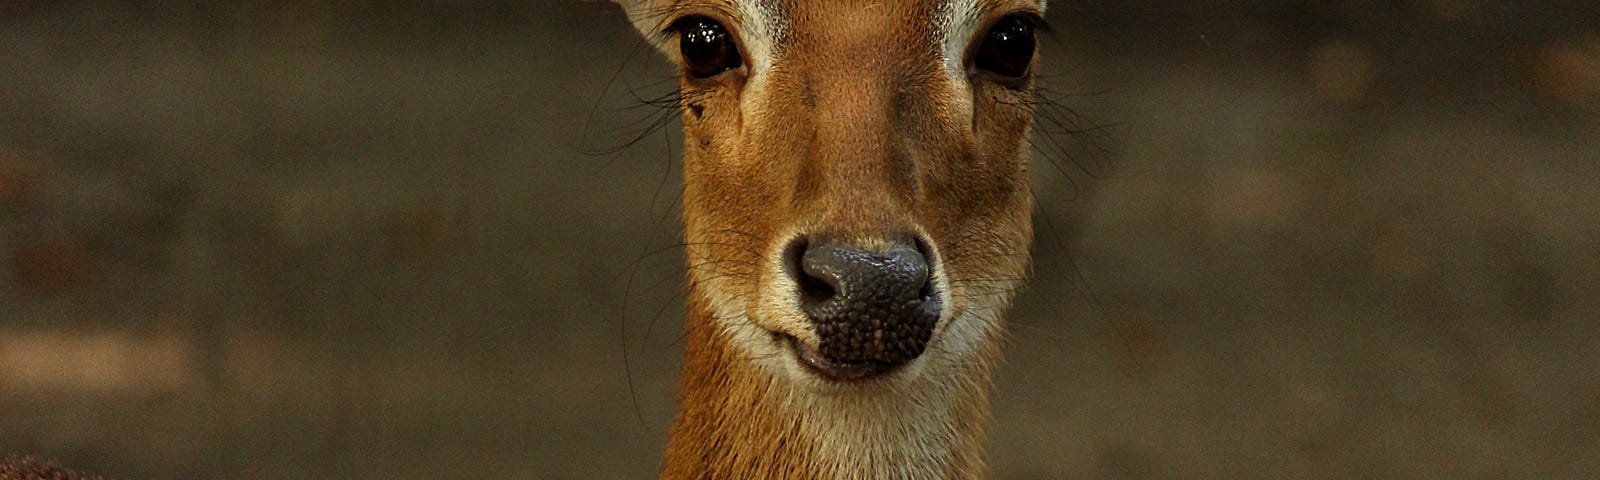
[(1007, 49), (707, 47)]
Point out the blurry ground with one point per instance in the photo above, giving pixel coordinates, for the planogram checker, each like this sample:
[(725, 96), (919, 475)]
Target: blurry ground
[(295, 240)]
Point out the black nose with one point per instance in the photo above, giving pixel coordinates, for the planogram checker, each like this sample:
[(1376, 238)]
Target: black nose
[(872, 309)]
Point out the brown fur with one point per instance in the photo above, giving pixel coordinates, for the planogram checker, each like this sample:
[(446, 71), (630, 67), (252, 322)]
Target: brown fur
[(858, 130)]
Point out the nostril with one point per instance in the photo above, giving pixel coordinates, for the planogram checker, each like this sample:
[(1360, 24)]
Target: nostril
[(927, 293), (817, 288), (813, 289), (792, 254)]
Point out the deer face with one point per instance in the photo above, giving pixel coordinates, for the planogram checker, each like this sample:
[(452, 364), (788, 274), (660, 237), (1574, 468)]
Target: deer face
[(856, 199)]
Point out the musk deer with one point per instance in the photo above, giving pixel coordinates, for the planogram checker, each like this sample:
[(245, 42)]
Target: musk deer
[(857, 218)]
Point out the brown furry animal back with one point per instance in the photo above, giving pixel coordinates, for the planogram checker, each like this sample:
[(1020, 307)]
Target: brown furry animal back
[(29, 468)]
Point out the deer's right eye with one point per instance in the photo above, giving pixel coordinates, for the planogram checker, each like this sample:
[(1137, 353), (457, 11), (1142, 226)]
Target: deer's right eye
[(707, 47), (1007, 49)]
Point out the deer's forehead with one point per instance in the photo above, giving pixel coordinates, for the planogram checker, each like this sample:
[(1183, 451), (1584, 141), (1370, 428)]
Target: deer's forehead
[(791, 17)]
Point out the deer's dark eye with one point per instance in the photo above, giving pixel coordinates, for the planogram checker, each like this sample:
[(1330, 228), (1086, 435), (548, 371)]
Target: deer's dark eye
[(707, 47), (1007, 49)]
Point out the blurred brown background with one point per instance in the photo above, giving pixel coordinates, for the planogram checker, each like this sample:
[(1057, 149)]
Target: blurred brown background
[(307, 239)]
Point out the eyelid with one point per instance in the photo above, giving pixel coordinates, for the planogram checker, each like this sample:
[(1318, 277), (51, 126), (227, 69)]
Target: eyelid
[(1033, 19), (675, 28), (671, 30), (679, 24), (718, 15)]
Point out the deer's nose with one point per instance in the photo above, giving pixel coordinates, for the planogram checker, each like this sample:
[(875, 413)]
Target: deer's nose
[(873, 309)]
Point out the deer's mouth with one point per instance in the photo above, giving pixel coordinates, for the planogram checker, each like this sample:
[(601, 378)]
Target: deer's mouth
[(872, 303), (842, 371)]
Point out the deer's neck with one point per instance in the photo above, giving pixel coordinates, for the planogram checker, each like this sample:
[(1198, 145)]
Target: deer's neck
[(738, 420)]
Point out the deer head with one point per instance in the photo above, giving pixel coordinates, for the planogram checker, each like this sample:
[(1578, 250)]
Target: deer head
[(857, 219)]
